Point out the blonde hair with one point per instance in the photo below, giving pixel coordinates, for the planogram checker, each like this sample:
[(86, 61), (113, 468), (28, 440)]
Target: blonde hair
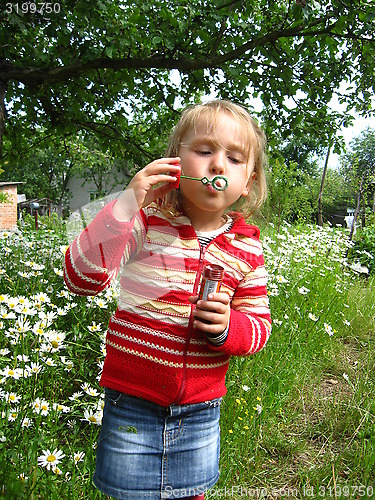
[(254, 142)]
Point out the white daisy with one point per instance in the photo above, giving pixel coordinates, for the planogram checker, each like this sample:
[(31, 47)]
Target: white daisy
[(12, 302), (41, 297), (258, 408), (56, 339), (41, 407), (89, 390), (50, 362), (78, 456), (93, 417), (103, 304), (12, 416), (50, 460), (26, 422), (61, 311), (14, 373), (7, 315), (61, 408), (75, 396), (12, 398), (281, 279), (94, 327), (69, 365), (328, 328), (34, 368)]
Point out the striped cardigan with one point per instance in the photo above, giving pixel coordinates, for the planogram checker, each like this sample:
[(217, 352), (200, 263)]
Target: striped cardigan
[(153, 350)]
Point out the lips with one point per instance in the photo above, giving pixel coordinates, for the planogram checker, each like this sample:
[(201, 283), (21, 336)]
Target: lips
[(211, 189)]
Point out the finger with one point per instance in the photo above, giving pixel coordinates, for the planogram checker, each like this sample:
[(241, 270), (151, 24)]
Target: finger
[(159, 178), (163, 165), (172, 161), (210, 305), (194, 299), (219, 297), (206, 316), (213, 328)]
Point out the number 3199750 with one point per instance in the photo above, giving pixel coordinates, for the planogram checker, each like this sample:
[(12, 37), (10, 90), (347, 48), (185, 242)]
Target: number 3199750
[(33, 8)]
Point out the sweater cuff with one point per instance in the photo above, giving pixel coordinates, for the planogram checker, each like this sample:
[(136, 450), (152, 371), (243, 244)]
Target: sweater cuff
[(218, 340)]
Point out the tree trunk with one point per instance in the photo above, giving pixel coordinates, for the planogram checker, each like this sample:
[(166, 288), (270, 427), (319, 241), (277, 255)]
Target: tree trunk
[(320, 198), (363, 211), (3, 88), (357, 207)]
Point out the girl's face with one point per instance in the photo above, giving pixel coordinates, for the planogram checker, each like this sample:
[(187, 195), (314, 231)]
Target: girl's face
[(210, 152)]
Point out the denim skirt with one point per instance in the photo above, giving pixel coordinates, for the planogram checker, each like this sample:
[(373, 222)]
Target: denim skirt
[(147, 451)]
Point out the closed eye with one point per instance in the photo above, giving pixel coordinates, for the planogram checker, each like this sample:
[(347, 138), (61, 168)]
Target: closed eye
[(237, 161)]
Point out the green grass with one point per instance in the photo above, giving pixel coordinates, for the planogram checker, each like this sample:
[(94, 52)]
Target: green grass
[(298, 419), (316, 428)]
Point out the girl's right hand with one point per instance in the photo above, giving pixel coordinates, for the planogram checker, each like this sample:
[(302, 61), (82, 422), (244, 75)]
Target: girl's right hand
[(142, 187)]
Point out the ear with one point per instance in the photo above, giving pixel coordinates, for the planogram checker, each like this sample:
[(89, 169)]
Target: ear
[(250, 182)]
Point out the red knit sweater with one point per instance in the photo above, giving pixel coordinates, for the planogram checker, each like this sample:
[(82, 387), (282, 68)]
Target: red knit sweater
[(153, 351)]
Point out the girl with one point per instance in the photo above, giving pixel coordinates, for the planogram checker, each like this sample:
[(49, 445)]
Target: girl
[(167, 349)]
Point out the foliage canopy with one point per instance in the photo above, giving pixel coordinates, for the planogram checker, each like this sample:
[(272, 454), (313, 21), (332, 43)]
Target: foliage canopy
[(358, 166), (121, 69)]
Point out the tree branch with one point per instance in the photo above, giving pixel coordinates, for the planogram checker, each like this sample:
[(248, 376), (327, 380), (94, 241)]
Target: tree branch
[(110, 132), (36, 76)]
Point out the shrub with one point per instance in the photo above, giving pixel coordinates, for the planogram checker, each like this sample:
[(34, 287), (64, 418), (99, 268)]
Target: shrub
[(364, 247)]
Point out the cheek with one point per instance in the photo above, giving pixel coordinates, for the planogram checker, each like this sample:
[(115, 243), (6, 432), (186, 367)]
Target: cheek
[(191, 166)]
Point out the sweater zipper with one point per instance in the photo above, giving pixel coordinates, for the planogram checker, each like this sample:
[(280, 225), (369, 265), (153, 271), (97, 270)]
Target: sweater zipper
[(190, 325)]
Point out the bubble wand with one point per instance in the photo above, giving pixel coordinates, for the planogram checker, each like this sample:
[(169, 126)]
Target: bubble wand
[(219, 182)]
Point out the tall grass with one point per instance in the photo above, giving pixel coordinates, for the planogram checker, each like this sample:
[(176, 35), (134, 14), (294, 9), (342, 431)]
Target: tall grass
[(309, 396), (299, 417)]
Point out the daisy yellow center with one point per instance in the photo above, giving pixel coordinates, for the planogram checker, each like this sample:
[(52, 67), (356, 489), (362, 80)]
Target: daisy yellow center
[(51, 458), (55, 344), (92, 418)]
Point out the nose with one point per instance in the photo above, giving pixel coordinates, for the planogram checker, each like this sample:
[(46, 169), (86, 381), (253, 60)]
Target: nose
[(218, 162)]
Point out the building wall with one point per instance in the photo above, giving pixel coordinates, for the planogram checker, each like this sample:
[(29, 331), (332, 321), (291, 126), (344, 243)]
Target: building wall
[(82, 192), (8, 211), (79, 193)]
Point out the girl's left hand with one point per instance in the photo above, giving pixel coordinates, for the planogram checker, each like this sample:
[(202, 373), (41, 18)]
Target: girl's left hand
[(216, 310)]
